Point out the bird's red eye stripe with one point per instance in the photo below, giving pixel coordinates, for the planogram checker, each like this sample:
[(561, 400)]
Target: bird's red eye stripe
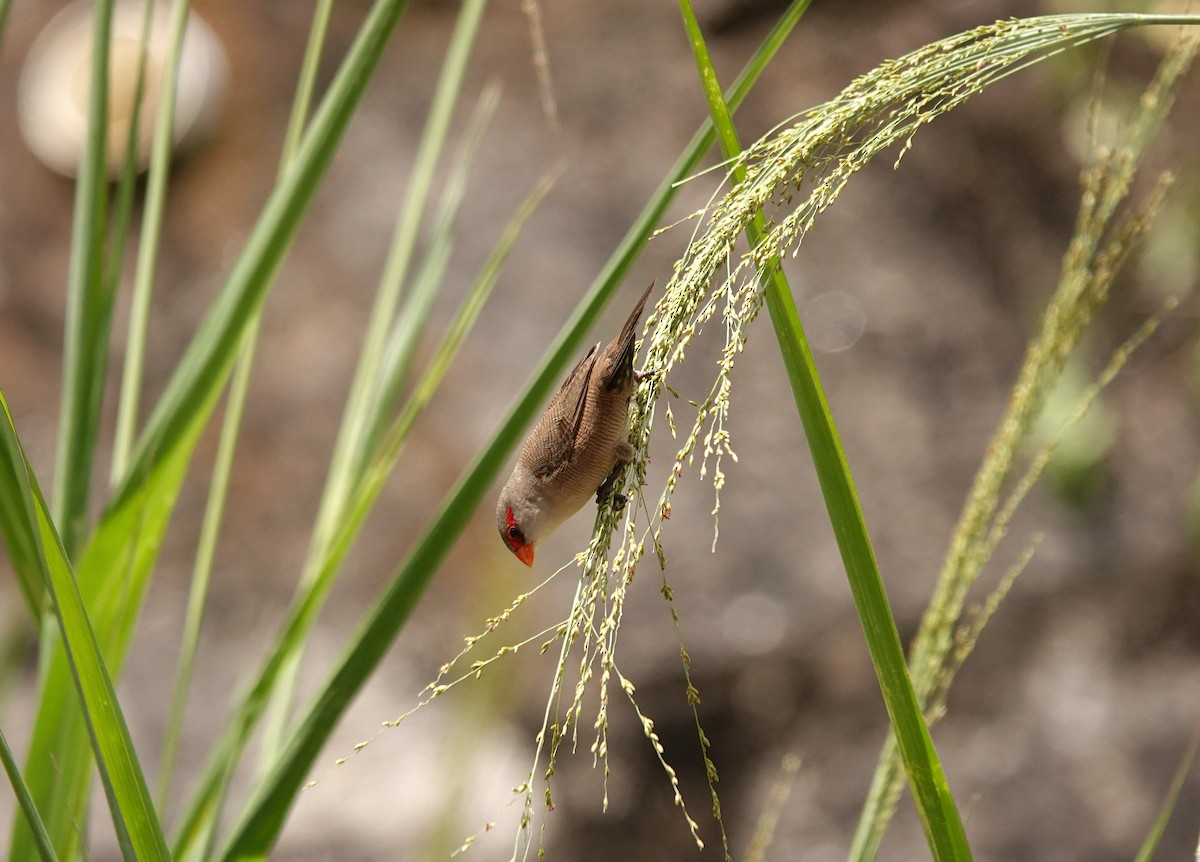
[(512, 533)]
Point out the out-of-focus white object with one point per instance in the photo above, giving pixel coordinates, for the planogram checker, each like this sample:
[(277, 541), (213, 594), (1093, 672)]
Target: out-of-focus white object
[(53, 96)]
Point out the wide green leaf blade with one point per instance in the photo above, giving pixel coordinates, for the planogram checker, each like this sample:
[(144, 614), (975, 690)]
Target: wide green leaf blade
[(113, 576), (133, 814)]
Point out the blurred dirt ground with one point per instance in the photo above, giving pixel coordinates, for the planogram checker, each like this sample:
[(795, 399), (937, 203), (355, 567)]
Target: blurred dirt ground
[(920, 289)]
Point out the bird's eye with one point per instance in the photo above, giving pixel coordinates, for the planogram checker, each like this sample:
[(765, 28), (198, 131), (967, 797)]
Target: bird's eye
[(514, 533)]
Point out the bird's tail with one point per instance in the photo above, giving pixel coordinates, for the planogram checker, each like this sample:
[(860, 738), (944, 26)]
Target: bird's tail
[(623, 366)]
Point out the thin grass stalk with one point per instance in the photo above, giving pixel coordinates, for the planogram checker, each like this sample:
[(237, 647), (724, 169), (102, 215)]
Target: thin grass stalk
[(210, 531), (935, 804), (33, 820), (230, 429), (1150, 845), (263, 819), (84, 343), (306, 83), (149, 243), (406, 335), (127, 182), (364, 388)]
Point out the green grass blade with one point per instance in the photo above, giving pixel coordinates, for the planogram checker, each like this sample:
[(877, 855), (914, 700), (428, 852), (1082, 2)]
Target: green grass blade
[(89, 312), (205, 553), (33, 820), (306, 83), (935, 805), (1146, 853), (89, 305), (209, 358), (133, 814), (147, 254), (406, 335), (230, 429), (263, 819), (113, 574), (365, 384), (127, 182)]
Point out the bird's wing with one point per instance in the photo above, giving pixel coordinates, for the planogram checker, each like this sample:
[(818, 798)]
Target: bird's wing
[(566, 412)]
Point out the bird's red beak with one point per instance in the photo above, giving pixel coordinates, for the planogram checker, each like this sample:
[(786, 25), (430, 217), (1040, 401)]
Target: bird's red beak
[(525, 554)]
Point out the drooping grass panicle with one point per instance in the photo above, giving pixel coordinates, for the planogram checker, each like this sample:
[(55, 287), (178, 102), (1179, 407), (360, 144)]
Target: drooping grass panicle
[(810, 160), (1101, 244)]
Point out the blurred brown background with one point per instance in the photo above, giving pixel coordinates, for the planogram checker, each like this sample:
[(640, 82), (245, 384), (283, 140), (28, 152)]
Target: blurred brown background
[(919, 290)]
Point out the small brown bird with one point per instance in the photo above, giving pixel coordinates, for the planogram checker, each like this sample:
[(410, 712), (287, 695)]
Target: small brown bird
[(576, 448)]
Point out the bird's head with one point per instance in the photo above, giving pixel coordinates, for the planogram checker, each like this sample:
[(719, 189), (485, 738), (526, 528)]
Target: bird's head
[(514, 537), (523, 515)]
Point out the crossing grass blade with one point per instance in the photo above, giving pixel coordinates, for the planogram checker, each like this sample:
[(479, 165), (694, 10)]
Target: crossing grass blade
[(231, 428), (149, 242), (365, 395)]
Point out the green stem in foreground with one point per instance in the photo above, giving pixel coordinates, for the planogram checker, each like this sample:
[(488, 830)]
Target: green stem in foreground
[(85, 343), (939, 815)]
